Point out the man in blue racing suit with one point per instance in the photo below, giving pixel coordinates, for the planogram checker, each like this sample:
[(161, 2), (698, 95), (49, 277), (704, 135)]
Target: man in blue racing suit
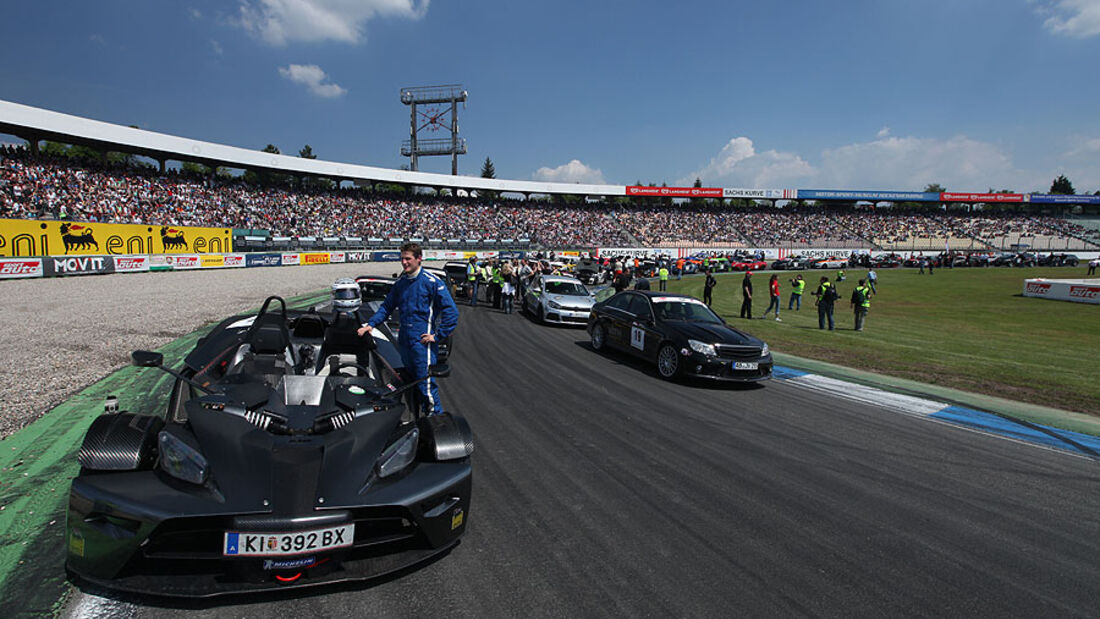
[(428, 316)]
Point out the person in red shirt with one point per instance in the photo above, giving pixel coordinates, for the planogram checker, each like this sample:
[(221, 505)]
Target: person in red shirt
[(773, 290)]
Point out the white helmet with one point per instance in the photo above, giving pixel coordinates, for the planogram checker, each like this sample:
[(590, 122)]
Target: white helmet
[(346, 296)]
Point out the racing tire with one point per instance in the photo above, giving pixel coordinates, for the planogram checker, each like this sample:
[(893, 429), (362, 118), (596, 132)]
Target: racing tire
[(599, 337), (668, 362)]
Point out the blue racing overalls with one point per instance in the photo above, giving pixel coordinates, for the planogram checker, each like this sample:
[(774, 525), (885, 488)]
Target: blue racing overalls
[(426, 307)]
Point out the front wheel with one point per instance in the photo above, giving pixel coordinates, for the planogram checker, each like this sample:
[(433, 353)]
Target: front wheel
[(599, 337), (668, 362)]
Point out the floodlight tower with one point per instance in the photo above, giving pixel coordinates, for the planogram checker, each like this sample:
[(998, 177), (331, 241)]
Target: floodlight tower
[(433, 118)]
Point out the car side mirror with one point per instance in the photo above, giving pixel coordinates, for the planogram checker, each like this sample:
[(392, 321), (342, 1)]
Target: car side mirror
[(441, 370), (147, 359)]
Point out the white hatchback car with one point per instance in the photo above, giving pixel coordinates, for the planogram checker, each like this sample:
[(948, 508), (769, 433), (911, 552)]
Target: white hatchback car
[(558, 299)]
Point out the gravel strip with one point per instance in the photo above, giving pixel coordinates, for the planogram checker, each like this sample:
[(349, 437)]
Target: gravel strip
[(62, 334)]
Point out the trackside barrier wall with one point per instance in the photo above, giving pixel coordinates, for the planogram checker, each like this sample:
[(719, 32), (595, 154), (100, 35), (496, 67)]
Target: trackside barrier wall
[(61, 266), (1076, 290)]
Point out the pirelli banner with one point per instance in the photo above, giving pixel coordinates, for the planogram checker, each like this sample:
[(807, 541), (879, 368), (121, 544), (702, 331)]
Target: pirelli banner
[(30, 237)]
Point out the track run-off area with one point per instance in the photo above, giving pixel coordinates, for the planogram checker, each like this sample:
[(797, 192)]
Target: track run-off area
[(601, 490)]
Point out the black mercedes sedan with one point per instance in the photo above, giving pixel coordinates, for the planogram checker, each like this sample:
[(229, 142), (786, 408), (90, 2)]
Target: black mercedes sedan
[(680, 334)]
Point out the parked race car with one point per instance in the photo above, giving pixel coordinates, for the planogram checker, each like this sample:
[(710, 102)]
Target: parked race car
[(792, 263), (269, 470), (591, 272), (558, 299), (680, 334), (829, 263)]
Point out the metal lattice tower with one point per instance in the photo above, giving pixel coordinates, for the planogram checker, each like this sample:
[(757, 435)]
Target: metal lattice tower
[(434, 118)]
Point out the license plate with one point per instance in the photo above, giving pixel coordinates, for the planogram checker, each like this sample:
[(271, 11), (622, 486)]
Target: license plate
[(242, 544), (746, 365)]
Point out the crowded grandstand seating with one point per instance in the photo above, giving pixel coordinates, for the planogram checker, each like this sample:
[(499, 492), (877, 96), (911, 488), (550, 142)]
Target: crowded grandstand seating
[(62, 188)]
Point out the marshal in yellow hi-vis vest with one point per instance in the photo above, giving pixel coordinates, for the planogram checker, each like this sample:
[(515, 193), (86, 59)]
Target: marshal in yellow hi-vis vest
[(32, 237)]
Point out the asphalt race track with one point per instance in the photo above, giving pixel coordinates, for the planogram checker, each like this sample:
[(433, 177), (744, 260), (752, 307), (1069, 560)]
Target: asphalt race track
[(601, 490)]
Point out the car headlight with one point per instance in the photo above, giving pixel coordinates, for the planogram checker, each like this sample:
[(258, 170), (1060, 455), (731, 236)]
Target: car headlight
[(554, 304), (764, 350), (703, 348), (181, 460), (398, 455)]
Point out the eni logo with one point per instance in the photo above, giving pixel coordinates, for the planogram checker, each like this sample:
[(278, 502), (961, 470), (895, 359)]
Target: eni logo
[(172, 238), (76, 236)]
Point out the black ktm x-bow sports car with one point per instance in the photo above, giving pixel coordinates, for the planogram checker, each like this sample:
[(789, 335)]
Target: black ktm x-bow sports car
[(286, 457)]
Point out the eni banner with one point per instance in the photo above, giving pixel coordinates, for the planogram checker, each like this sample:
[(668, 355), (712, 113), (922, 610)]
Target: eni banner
[(30, 237)]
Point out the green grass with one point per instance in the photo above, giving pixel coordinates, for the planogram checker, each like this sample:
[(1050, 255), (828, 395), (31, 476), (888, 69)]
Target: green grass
[(968, 329)]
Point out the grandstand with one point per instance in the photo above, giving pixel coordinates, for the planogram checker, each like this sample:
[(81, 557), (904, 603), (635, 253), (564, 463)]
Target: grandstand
[(276, 213)]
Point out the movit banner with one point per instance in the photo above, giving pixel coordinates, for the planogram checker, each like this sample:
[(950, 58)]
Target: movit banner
[(53, 266), (868, 196), (674, 192), (1076, 290), (763, 194), (131, 264), (357, 256), (20, 268), (263, 260), (291, 259), (22, 237), (981, 197)]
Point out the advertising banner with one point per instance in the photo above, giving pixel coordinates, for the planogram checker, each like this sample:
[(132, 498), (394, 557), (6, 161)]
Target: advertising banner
[(186, 261), (868, 196), (20, 268), (131, 264), (1053, 198), (633, 252), (385, 256), (315, 258), (981, 197), (674, 192), (291, 259), (1076, 290), (212, 261), (263, 260), (337, 257), (234, 261), (764, 194), (22, 237), (161, 262), (356, 256), (54, 266)]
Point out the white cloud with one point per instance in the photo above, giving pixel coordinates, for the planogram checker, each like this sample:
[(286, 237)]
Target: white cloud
[(887, 163), (194, 13), (572, 172), (97, 38), (1074, 18), (217, 47), (1085, 146), (911, 163), (313, 78), (739, 165), (279, 22), (884, 132)]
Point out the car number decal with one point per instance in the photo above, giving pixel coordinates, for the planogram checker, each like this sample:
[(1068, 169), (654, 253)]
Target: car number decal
[(637, 338)]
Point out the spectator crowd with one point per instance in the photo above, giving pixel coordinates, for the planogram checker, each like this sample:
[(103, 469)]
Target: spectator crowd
[(45, 187)]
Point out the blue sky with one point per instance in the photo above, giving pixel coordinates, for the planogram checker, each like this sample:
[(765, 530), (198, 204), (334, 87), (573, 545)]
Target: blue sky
[(860, 94)]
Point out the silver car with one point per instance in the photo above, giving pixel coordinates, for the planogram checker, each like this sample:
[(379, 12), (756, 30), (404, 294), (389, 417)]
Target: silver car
[(558, 299)]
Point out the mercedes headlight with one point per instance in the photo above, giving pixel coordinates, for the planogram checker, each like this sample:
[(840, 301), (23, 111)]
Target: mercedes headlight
[(181, 460), (764, 350), (554, 304), (703, 348), (398, 455)]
